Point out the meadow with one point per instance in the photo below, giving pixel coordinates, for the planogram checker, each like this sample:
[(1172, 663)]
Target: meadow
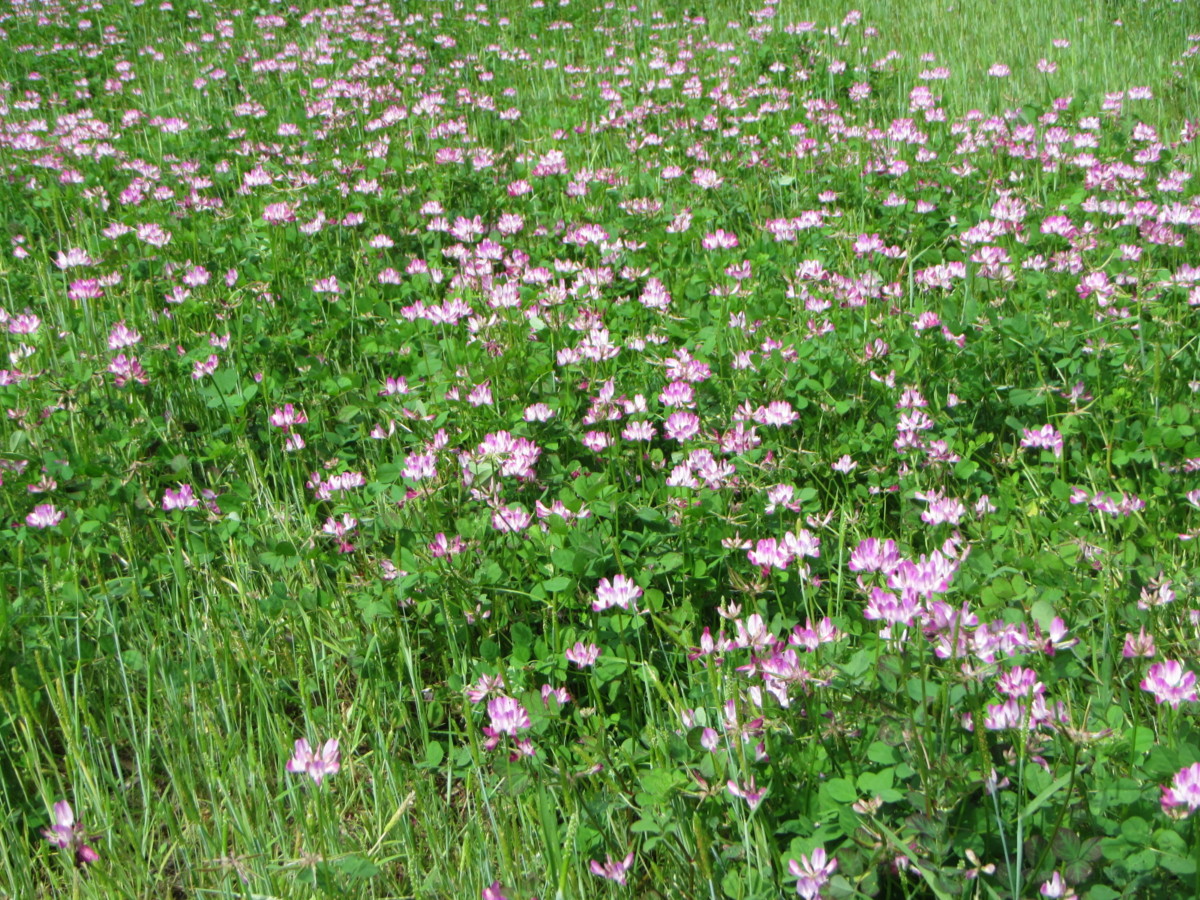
[(607, 449)]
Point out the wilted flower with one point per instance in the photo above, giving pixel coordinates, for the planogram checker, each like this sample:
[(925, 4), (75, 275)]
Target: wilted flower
[(1140, 645), (751, 793)]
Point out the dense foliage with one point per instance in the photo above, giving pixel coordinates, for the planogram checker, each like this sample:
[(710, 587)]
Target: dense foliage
[(557, 451)]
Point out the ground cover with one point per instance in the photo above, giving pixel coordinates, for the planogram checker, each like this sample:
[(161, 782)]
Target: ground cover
[(567, 450)]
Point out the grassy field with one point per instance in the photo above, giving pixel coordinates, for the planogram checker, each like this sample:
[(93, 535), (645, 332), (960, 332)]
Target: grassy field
[(556, 450)]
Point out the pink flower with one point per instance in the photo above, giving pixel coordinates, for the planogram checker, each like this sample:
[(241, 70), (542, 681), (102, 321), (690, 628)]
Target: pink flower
[(621, 591), (845, 464), (1045, 438), (1170, 683), (719, 240), (778, 413), (613, 871), (751, 793), (511, 518), (183, 498), (420, 466), (812, 871), (202, 368), (682, 426), (1055, 887), (316, 765), (287, 416), (561, 695), (507, 715), (1183, 792), (122, 336), (481, 395), (1141, 645), (67, 834), (494, 891), (126, 369), (583, 655), (278, 214), (768, 554), (327, 286), (44, 515)]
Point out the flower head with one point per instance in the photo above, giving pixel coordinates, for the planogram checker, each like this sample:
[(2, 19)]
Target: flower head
[(622, 591), (812, 871), (1182, 798), (183, 498), (44, 515), (317, 765), (612, 870), (68, 834), (1055, 887), (583, 655), (1170, 683), (507, 715)]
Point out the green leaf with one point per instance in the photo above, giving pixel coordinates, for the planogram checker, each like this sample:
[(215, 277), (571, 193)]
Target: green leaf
[(839, 790), (521, 634), (358, 867), (1136, 830), (434, 754), (882, 753)]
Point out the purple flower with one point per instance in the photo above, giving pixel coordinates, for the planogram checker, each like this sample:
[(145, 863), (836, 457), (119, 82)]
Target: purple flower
[(494, 891), (508, 716), (613, 871), (179, 499), (1045, 438), (317, 765), (751, 793), (68, 834)]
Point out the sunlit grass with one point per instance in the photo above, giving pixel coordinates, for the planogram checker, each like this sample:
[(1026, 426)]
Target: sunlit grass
[(703, 453)]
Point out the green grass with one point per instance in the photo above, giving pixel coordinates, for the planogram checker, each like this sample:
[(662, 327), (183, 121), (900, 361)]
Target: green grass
[(156, 667)]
